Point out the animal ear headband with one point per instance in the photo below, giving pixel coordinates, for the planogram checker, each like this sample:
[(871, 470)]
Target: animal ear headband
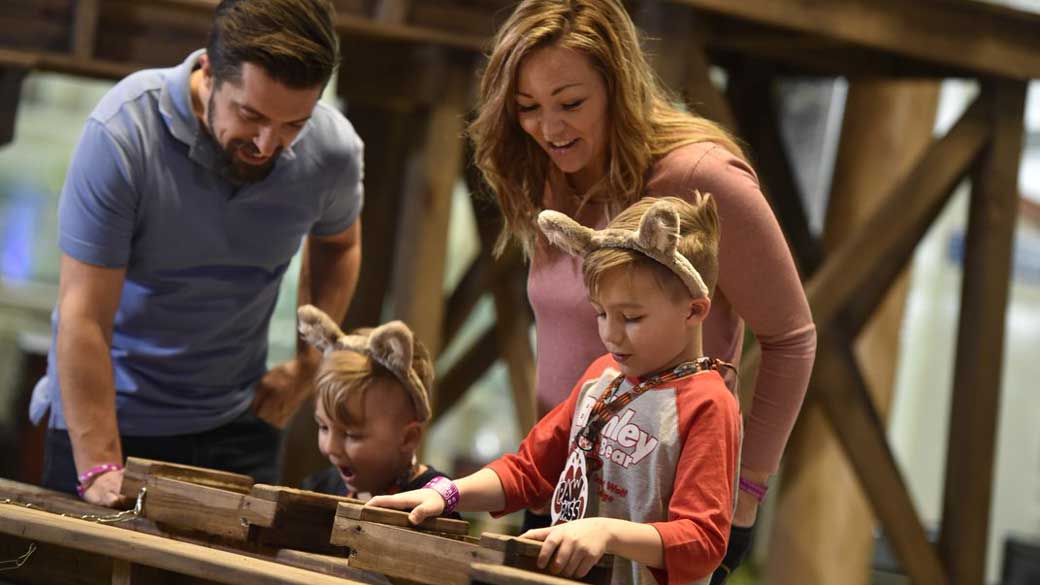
[(657, 237), (391, 345)]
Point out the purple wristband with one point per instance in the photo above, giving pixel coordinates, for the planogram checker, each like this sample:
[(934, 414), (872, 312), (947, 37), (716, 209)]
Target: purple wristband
[(447, 489), (755, 489), (91, 474)]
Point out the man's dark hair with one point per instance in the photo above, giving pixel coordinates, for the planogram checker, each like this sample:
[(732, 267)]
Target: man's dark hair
[(294, 41)]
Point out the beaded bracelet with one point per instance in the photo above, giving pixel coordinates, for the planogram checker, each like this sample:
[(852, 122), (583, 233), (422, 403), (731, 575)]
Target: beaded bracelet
[(758, 490), (88, 476), (447, 489)]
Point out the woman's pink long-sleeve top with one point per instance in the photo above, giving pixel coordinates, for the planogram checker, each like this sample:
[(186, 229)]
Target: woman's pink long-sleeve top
[(758, 284)]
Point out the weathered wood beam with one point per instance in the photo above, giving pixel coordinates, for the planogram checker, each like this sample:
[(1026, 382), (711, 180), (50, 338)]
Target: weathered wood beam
[(448, 527), (839, 387), (522, 553), (139, 470), (59, 503), (974, 36), (154, 551), (471, 287), (84, 28), (751, 93), (403, 553), (469, 368), (486, 574), (989, 246), (418, 284), (62, 63), (861, 270), (300, 519), (10, 94)]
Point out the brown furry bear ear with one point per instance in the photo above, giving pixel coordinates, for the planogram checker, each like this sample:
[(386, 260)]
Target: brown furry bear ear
[(318, 329), (659, 229), (565, 233), (391, 345)]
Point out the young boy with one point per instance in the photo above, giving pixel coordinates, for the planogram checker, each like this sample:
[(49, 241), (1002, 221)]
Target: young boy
[(372, 406), (640, 461)]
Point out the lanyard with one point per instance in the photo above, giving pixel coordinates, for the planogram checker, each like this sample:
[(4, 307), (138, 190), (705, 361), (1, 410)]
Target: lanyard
[(609, 403)]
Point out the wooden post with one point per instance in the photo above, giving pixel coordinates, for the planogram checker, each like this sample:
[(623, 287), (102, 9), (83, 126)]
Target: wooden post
[(980, 338), (84, 28), (823, 525), (10, 92), (418, 284)]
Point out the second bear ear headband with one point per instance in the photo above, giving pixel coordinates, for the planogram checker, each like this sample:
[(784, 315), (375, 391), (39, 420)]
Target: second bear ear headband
[(657, 237), (391, 345)]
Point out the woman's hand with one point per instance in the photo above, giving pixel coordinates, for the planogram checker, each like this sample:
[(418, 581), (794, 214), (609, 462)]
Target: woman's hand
[(105, 490), (574, 547), (424, 503)]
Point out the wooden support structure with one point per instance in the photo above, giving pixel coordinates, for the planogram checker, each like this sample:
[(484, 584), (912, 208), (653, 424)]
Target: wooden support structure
[(980, 336), (153, 551), (823, 531), (410, 65)]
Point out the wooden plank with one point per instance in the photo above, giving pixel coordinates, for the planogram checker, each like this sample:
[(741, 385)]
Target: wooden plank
[(840, 389), (485, 574), (964, 34), (522, 553), (138, 470), (869, 260), (443, 526), (84, 28), (300, 519), (155, 551), (401, 553), (190, 506), (989, 246), (60, 503)]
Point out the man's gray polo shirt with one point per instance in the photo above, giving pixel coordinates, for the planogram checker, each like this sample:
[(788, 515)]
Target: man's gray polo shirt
[(203, 258)]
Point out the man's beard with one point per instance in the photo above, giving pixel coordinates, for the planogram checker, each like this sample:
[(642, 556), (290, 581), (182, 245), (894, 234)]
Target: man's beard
[(229, 165)]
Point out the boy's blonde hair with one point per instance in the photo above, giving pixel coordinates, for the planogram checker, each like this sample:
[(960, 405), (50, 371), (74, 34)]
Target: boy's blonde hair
[(646, 121), (698, 242), (343, 374)]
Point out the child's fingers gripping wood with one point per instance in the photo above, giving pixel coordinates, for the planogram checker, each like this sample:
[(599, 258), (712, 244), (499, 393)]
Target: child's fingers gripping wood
[(423, 503)]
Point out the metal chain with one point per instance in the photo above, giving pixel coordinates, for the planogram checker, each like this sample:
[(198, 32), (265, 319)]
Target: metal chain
[(13, 564), (125, 515)]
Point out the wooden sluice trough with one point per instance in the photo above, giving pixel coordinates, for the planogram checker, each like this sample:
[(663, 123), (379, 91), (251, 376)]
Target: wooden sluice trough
[(201, 526)]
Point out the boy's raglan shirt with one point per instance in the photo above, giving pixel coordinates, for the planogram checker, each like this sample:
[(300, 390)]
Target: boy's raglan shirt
[(669, 459)]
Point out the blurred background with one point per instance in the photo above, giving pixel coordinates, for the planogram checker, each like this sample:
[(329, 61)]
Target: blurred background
[(847, 95)]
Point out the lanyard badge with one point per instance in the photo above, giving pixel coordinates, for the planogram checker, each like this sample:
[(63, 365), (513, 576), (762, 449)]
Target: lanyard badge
[(571, 497)]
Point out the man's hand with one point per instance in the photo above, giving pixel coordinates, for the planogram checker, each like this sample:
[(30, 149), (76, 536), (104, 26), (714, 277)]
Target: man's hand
[(281, 391), (574, 547), (105, 490)]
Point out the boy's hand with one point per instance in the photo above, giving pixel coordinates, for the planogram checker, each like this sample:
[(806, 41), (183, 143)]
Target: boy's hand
[(424, 503), (577, 545)]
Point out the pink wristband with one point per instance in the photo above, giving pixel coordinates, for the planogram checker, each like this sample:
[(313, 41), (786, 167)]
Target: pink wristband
[(447, 489), (91, 474), (755, 489)]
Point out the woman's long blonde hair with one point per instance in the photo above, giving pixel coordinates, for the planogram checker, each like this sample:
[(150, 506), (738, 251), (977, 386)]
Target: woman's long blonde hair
[(646, 122)]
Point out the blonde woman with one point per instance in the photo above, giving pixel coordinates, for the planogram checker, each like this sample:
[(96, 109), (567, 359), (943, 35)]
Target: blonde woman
[(572, 118)]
